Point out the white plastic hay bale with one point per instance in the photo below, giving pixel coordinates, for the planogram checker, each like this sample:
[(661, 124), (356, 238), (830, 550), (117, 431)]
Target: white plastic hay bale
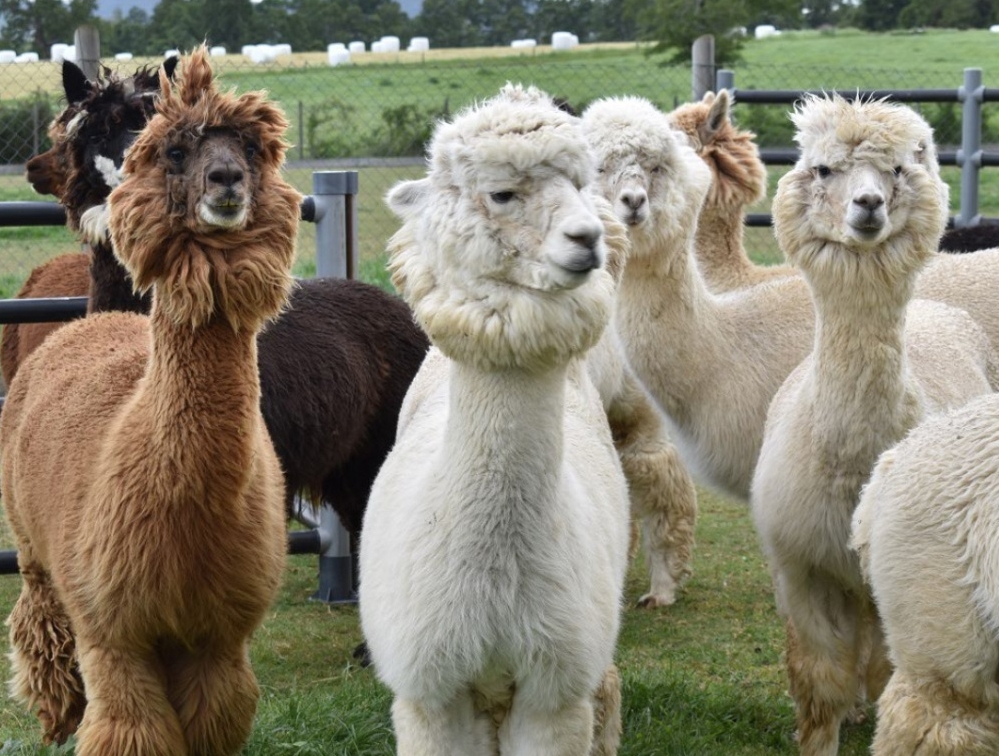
[(217, 52), (8, 56), (337, 57), (763, 31), (262, 54), (282, 49), (563, 40), (419, 44), (69, 53), (123, 56), (335, 47), (524, 43), (27, 57), (247, 49), (356, 47), (376, 46), (390, 44), (171, 53), (58, 52), (994, 28)]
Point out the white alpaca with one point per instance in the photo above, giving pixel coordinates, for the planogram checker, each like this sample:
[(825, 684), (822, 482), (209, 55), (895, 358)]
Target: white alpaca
[(712, 361), (925, 531), (859, 214), (739, 178), (495, 540)]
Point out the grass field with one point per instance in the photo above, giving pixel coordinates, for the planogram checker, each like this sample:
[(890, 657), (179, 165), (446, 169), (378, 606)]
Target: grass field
[(701, 678)]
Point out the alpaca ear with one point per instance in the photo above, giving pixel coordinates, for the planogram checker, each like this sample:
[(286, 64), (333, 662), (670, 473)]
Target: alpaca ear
[(74, 82), (407, 197), (718, 117), (170, 66)]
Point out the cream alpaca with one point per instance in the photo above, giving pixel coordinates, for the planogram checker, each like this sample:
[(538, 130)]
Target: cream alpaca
[(739, 178), (495, 540), (925, 532), (662, 493), (859, 214), (712, 361), (131, 445)]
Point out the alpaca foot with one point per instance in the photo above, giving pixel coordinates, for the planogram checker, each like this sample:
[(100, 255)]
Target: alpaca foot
[(58, 729), (857, 715)]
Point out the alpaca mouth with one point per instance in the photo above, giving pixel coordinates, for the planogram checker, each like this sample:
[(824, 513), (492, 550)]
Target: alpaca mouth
[(634, 218), (225, 214)]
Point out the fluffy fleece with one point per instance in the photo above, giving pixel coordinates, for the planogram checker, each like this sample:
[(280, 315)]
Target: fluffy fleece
[(712, 361), (131, 445), (859, 214), (738, 179), (924, 530), (503, 497)]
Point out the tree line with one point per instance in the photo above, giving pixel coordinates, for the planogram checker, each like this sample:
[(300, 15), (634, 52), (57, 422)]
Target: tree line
[(34, 25)]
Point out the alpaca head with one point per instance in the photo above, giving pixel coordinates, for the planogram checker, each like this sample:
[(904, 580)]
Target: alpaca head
[(501, 250), (647, 170), (866, 190), (203, 213), (89, 139), (739, 176)]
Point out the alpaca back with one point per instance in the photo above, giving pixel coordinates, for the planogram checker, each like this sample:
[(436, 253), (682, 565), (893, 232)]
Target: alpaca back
[(968, 281)]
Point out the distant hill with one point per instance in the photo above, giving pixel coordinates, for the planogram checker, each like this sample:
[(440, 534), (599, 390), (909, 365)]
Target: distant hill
[(106, 8)]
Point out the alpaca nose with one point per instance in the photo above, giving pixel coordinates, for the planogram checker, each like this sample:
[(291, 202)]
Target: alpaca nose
[(634, 200), (225, 174), (869, 201), (587, 241)]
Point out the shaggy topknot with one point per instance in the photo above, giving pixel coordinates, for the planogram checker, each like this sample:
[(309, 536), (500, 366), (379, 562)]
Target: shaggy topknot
[(154, 207)]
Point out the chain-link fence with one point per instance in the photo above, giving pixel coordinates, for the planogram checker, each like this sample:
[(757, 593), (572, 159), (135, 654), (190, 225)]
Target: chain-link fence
[(374, 116)]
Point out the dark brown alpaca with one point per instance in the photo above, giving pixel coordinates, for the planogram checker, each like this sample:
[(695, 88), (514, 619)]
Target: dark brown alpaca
[(99, 121), (333, 368), (138, 476)]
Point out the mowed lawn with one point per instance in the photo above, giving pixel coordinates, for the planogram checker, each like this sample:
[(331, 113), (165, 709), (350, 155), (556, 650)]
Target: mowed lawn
[(701, 678)]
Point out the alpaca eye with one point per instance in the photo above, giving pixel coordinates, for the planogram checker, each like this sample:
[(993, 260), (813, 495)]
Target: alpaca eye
[(898, 170), (501, 198), (176, 155), (656, 169), (823, 171), (251, 150)]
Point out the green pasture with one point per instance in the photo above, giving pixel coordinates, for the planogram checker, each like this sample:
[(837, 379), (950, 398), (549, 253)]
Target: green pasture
[(701, 678)]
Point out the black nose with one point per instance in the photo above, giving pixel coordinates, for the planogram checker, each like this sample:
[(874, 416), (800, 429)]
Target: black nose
[(225, 174), (869, 201)]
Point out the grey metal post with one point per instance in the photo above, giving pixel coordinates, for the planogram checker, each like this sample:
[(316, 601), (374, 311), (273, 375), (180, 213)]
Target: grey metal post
[(88, 50), (335, 193), (725, 80), (702, 56), (336, 255), (969, 157)]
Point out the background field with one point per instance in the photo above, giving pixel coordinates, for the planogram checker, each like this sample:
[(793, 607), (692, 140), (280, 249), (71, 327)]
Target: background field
[(702, 678)]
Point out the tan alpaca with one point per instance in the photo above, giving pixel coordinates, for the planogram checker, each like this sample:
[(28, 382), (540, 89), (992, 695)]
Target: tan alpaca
[(137, 475), (925, 533), (860, 214), (739, 178)]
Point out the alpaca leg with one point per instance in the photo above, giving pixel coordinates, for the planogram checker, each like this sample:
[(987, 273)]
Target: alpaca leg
[(930, 718), (535, 730), (128, 713), (607, 714), (823, 653), (662, 492), (215, 696), (457, 729), (43, 657)]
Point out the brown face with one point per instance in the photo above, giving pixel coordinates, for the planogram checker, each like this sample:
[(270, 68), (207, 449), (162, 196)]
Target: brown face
[(214, 176)]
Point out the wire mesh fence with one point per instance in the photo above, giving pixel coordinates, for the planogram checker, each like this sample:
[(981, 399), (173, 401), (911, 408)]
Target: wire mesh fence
[(375, 115)]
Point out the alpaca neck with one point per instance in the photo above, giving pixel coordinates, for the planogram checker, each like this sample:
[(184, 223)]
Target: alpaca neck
[(111, 287), (199, 405), (861, 372), (721, 254), (504, 434)]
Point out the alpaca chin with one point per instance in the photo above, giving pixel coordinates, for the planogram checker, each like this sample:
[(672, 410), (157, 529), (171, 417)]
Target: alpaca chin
[(212, 217)]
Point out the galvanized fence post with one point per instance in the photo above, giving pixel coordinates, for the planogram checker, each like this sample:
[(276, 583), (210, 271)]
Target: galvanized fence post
[(334, 194), (702, 70), (725, 79), (969, 157)]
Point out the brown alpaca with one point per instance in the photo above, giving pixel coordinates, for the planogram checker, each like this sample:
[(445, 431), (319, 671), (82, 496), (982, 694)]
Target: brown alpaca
[(738, 179), (138, 476)]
